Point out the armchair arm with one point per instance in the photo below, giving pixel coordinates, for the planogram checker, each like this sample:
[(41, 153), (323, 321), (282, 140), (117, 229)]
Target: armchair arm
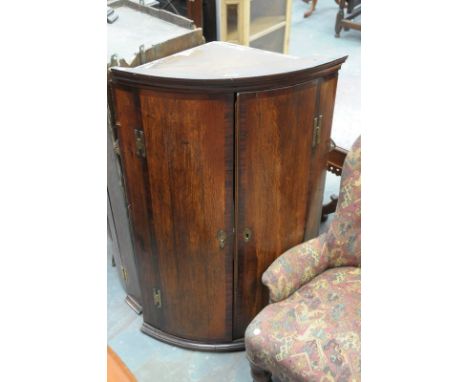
[(296, 267)]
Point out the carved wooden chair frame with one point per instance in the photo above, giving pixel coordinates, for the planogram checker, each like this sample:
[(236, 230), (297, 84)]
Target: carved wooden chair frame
[(346, 22), (336, 158)]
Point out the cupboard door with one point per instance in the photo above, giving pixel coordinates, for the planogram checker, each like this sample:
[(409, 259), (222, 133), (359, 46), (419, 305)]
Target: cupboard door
[(276, 172), (325, 106), (120, 227), (189, 154), (139, 207)]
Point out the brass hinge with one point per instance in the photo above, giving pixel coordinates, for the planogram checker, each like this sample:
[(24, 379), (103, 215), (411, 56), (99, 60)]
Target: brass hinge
[(316, 131), (140, 143), (157, 298), (124, 274)]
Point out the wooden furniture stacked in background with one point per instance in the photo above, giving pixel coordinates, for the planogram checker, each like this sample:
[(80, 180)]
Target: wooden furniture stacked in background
[(336, 158), (352, 19), (224, 151), (262, 24), (202, 12), (140, 33)]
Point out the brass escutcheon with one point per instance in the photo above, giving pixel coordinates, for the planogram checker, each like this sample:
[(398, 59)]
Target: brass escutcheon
[(247, 234), (221, 238)]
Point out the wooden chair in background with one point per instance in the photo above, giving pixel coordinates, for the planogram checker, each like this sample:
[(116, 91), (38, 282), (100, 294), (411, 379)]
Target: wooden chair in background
[(348, 16)]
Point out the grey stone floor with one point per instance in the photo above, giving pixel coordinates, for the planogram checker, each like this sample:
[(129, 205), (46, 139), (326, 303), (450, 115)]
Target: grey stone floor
[(154, 361)]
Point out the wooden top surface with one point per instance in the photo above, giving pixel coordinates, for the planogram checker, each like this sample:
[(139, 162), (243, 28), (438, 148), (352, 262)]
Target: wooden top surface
[(225, 60), (221, 63)]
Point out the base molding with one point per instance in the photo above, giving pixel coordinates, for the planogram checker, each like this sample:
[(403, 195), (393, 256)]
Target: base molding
[(133, 304), (151, 331)]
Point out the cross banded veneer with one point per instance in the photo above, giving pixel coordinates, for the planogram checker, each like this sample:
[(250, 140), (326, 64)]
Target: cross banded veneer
[(224, 150)]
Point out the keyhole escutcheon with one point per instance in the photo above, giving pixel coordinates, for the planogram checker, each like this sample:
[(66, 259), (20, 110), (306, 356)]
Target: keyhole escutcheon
[(247, 234)]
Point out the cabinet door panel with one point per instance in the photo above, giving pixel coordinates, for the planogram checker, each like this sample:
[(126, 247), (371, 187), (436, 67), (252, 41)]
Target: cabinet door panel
[(136, 185), (276, 171), (325, 106), (189, 152), (119, 220)]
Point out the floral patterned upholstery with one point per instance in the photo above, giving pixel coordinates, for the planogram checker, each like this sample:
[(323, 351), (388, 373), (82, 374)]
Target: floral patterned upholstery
[(311, 331)]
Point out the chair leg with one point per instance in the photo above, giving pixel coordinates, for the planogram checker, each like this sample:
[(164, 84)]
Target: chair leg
[(329, 208), (338, 27), (258, 374)]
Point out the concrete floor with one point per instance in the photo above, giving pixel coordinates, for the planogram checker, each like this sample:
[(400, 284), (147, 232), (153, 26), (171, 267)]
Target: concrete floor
[(154, 361)]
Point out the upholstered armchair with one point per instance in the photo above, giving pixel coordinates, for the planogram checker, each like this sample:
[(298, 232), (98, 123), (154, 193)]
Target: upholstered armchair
[(311, 329)]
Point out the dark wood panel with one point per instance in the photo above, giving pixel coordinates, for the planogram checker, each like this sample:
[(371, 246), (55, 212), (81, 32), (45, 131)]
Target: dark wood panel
[(116, 261), (189, 142), (193, 345), (275, 172), (118, 216), (210, 20), (195, 12), (325, 106), (182, 192), (135, 175)]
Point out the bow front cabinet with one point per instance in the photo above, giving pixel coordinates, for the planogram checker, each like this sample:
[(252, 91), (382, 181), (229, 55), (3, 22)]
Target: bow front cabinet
[(224, 151)]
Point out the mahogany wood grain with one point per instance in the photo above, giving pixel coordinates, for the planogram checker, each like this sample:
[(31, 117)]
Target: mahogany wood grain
[(195, 12), (276, 170), (175, 40), (138, 196), (228, 147), (117, 216), (189, 141), (325, 106)]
